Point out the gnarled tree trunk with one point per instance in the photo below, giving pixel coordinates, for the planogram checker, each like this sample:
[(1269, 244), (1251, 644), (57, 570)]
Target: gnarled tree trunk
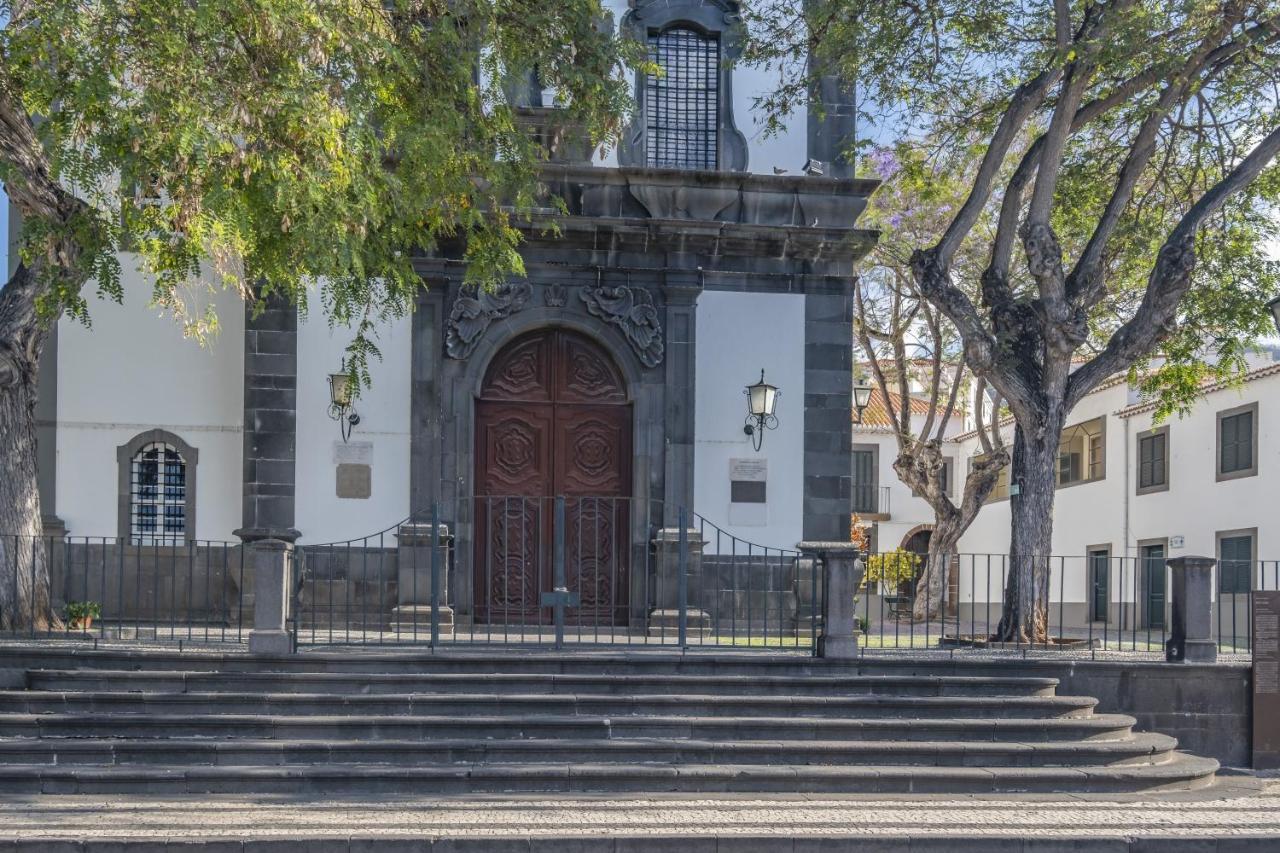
[(932, 583), (24, 570), (1026, 600)]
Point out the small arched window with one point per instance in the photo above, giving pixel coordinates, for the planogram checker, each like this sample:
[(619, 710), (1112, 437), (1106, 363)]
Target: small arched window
[(158, 505), (682, 105), (157, 488)]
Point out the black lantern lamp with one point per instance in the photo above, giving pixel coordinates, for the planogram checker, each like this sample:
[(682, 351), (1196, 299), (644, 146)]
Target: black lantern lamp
[(342, 403), (1274, 305), (761, 400), (861, 399)]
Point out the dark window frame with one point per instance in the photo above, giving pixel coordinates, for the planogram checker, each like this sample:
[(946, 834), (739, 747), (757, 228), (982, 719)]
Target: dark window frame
[(1162, 433), (1250, 533), (1250, 409), (1087, 472)]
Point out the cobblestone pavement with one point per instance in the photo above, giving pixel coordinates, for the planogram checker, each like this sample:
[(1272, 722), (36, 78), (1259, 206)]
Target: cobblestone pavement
[(1239, 806)]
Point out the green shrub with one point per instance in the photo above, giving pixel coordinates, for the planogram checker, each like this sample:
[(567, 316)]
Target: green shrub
[(891, 570), (76, 611)]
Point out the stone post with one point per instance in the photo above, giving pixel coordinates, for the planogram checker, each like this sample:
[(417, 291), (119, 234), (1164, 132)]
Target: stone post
[(664, 619), (271, 560), (1191, 634), (842, 571), (412, 614)]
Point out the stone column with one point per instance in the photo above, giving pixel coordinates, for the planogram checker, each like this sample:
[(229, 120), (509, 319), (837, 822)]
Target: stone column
[(832, 115), (270, 421), (681, 290), (412, 615), (828, 404), (842, 571), (664, 619), (1191, 633), (270, 560), (426, 412)]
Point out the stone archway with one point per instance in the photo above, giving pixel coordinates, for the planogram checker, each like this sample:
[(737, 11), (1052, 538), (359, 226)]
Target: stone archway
[(553, 418), (916, 541)]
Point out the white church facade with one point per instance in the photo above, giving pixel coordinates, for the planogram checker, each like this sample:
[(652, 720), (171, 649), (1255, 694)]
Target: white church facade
[(695, 255)]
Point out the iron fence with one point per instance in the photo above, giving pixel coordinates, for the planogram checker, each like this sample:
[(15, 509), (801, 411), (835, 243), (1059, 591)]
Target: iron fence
[(519, 570), (1091, 603), (199, 591)]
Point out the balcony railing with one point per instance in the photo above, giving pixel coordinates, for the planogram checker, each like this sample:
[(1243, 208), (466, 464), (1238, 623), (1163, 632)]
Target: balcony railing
[(870, 500)]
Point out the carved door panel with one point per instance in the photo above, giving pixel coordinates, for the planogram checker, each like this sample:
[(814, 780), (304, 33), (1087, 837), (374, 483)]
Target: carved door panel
[(514, 458), (553, 419), (593, 465)]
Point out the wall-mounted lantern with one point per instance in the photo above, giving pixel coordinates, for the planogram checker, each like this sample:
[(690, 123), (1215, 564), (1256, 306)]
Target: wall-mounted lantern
[(861, 399), (342, 403), (761, 400), (1274, 305)]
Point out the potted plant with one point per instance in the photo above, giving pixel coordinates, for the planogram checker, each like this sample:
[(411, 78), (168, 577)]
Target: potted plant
[(80, 614)]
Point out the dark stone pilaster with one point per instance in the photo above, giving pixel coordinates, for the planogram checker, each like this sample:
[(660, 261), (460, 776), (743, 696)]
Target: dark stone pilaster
[(828, 432), (681, 291), (270, 422), (832, 118), (426, 414)]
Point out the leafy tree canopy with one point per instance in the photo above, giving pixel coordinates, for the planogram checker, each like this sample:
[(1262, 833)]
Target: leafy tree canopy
[(949, 77), (281, 143)]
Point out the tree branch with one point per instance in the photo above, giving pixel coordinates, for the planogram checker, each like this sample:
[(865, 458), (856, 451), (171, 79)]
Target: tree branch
[(1169, 280)]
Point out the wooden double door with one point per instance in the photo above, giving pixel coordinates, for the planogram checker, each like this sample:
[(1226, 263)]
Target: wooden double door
[(553, 419)]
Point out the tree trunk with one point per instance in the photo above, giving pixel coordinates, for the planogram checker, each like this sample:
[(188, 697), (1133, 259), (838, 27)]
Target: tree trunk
[(930, 588), (25, 602), (1026, 596)]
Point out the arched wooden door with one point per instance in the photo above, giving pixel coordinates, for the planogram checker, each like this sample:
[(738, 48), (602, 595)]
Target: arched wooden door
[(552, 419)]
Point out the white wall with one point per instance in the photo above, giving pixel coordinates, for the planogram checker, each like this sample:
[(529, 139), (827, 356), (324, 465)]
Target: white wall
[(1196, 507), (383, 433), (134, 371), (738, 334)]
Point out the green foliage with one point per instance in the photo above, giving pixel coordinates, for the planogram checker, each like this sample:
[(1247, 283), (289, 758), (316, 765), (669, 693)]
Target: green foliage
[(893, 568), (77, 611), (935, 78), (294, 147)]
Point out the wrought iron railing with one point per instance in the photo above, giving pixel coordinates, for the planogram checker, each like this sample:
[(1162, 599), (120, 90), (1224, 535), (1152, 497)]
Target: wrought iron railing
[(199, 591)]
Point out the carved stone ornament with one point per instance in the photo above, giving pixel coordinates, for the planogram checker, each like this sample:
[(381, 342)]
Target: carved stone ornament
[(631, 309), (555, 296), (475, 309)]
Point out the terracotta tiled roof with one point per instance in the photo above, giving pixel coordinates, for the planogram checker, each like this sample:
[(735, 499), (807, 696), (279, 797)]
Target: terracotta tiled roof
[(877, 413)]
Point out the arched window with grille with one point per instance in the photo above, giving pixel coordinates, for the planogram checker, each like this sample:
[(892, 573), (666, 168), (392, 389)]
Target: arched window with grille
[(682, 105), (157, 490)]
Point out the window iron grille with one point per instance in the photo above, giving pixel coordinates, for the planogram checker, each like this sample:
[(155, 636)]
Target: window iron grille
[(682, 106), (158, 496)]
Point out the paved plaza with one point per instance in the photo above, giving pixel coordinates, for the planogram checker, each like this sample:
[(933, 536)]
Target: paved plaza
[(1240, 813)]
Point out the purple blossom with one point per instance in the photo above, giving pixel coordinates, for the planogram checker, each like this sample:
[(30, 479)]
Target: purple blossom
[(884, 163)]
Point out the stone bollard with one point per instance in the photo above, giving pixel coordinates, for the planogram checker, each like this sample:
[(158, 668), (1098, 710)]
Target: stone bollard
[(1190, 639), (842, 572), (664, 619), (271, 560), (412, 614)]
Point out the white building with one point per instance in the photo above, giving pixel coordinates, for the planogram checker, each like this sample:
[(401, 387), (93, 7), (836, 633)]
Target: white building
[(1131, 495)]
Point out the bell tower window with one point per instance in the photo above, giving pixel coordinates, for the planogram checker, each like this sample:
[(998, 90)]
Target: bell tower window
[(683, 103)]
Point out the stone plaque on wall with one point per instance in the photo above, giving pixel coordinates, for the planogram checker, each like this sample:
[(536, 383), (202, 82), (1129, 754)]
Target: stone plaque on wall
[(355, 481), (1266, 680)]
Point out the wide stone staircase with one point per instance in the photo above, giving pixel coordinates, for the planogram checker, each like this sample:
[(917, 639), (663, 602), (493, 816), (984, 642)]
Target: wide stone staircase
[(114, 722)]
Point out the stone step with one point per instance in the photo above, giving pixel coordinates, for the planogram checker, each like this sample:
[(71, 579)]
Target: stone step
[(452, 704), (495, 659), (1182, 772), (1139, 749), (178, 681), (372, 727)]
